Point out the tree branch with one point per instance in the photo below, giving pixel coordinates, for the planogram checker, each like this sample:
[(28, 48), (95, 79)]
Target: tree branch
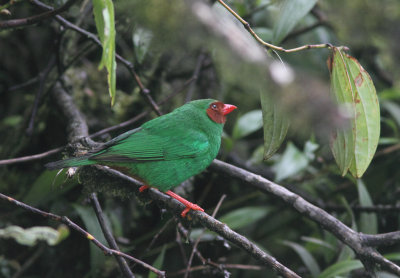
[(123, 265), (78, 128), (65, 220), (143, 90), (360, 243), (12, 23)]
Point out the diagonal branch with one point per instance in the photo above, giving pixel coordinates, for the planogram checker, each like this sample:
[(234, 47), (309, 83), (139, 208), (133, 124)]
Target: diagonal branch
[(123, 265), (361, 244), (65, 220), (143, 90), (351, 238), (78, 128), (12, 23)]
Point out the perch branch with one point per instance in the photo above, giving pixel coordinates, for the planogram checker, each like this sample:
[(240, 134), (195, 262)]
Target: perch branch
[(74, 116), (328, 222), (211, 223)]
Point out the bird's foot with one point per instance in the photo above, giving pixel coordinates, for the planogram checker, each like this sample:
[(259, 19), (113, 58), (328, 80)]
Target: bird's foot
[(188, 204), (143, 188)]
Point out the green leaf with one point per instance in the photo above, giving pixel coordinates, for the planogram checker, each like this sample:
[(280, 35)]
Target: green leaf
[(247, 124), (243, 217), (305, 256), (104, 17), (292, 162), (158, 263), (353, 89), (341, 267), (275, 125), (368, 221), (291, 12), (32, 235)]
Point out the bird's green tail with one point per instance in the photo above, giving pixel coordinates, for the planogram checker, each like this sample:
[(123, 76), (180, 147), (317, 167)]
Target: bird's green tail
[(70, 162)]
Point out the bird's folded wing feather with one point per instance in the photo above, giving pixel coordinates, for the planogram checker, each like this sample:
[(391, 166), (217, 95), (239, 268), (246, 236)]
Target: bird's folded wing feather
[(153, 145)]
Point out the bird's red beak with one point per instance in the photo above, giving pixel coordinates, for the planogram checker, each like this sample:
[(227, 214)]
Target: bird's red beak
[(228, 108)]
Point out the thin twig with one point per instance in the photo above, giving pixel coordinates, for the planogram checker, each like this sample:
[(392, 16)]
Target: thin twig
[(195, 76), (29, 262), (12, 23), (42, 77), (227, 266), (269, 45), (65, 220), (189, 264), (30, 157), (123, 265)]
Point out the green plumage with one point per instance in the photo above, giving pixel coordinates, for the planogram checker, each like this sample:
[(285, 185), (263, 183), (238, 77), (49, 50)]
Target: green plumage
[(163, 152)]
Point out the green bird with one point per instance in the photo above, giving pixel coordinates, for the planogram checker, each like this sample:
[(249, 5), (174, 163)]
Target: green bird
[(165, 151)]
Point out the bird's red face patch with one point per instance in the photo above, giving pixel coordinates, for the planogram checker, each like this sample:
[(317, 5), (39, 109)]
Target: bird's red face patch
[(218, 110)]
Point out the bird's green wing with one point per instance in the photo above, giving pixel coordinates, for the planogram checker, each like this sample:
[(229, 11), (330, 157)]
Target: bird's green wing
[(154, 145)]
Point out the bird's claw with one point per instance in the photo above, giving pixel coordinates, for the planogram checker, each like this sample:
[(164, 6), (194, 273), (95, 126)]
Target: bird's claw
[(188, 208), (143, 188)]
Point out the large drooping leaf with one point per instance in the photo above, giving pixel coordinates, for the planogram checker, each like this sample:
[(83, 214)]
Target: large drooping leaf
[(104, 17), (352, 87), (275, 125), (31, 236), (291, 11)]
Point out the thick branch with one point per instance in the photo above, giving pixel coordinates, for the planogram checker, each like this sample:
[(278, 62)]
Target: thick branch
[(77, 127), (351, 238), (213, 225)]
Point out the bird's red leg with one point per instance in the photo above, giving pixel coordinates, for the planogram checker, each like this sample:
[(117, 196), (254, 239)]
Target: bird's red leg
[(143, 188), (188, 204)]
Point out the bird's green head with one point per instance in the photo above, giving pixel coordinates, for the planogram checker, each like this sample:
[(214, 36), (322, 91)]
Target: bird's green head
[(216, 110)]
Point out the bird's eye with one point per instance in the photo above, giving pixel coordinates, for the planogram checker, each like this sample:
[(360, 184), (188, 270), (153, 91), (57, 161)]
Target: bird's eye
[(214, 106)]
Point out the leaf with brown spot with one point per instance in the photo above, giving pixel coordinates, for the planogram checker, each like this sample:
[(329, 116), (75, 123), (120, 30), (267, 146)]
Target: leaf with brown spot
[(352, 87)]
